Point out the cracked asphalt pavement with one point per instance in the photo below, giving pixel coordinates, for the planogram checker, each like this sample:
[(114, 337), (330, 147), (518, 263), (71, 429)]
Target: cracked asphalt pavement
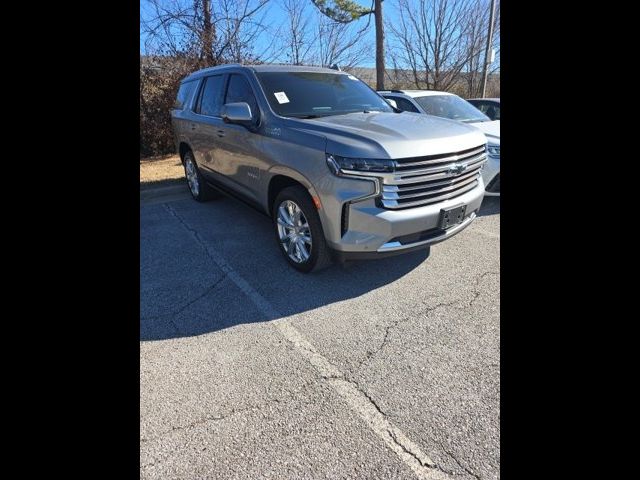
[(386, 369)]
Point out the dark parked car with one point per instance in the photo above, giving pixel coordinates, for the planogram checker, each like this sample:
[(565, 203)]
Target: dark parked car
[(489, 106)]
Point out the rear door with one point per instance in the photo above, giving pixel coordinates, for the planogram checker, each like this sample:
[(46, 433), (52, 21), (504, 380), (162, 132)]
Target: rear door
[(181, 114), (205, 130)]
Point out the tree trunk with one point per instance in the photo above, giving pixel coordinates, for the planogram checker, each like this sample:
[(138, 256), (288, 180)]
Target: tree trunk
[(207, 34), (379, 46)]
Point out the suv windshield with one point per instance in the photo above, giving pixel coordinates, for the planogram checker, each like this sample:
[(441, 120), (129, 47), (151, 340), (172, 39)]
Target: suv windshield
[(317, 94), (453, 107)]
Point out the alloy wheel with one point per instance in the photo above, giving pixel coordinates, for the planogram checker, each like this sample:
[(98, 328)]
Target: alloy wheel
[(294, 231), (192, 176)]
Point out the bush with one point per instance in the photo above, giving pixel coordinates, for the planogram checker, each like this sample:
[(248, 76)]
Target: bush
[(159, 80)]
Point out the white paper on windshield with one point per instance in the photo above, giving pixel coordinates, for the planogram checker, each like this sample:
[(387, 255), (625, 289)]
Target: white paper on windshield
[(352, 77), (281, 97)]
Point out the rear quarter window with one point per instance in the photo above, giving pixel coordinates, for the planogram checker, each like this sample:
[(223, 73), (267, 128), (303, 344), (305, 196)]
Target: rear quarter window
[(185, 92)]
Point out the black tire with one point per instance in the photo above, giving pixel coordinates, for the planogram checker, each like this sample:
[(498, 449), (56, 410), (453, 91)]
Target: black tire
[(320, 255), (203, 191)]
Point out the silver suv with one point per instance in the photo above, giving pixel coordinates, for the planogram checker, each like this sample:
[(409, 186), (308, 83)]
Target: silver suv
[(340, 171)]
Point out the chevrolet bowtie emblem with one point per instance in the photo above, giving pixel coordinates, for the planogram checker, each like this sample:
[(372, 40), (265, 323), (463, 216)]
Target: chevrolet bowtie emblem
[(456, 169)]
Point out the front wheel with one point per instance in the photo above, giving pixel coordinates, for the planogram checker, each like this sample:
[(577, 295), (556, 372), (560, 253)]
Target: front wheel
[(299, 231)]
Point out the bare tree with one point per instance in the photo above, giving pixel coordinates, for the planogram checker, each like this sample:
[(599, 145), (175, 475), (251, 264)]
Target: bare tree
[(429, 39), (213, 31), (310, 37), (346, 11), (339, 43), (441, 41), (297, 38), (182, 36), (477, 21)]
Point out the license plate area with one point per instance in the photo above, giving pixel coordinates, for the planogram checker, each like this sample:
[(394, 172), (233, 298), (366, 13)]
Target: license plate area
[(450, 217)]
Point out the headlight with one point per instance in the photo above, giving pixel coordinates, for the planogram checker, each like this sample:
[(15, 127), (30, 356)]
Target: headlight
[(338, 164), (493, 150)]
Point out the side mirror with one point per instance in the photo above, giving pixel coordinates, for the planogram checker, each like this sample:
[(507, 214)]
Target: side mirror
[(391, 102), (239, 112)]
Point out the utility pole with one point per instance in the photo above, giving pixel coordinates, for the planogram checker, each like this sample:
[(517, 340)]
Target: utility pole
[(379, 45), (487, 52)]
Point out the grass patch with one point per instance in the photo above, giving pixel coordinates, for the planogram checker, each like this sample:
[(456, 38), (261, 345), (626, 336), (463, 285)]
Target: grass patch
[(161, 171)]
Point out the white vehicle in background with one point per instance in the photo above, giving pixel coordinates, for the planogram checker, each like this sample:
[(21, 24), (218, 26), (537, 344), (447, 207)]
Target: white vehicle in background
[(448, 105)]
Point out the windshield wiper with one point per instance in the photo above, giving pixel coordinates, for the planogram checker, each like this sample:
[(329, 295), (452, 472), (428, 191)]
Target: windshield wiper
[(332, 114), (481, 119), (319, 116)]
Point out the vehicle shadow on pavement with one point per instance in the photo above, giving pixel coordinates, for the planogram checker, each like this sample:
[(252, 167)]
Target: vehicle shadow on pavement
[(189, 281), (490, 206)]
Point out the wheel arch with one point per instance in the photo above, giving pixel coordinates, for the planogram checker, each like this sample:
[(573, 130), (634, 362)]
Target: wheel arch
[(183, 148), (283, 177)]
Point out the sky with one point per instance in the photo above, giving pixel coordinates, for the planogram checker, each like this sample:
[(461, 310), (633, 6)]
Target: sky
[(274, 15)]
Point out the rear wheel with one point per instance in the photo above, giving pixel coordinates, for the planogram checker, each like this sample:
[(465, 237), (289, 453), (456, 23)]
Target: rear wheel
[(299, 231), (198, 187)]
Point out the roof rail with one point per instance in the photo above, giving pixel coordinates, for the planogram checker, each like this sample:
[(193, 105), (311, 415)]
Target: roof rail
[(223, 65)]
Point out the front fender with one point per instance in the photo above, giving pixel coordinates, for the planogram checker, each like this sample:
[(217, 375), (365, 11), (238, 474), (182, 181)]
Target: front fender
[(294, 174)]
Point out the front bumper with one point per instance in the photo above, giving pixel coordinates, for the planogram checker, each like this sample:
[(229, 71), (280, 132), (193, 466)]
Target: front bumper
[(372, 231)]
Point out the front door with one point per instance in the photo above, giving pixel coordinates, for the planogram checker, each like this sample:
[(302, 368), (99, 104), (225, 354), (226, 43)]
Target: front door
[(238, 159)]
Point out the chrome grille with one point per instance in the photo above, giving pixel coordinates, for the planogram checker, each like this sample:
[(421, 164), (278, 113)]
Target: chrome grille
[(419, 181)]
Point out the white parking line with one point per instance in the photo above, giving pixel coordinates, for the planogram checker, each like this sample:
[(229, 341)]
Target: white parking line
[(359, 402)]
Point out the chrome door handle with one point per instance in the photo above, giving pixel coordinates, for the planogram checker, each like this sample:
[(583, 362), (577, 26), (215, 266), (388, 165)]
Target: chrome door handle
[(220, 133), (194, 126)]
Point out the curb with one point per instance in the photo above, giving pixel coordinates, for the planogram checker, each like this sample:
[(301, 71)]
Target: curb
[(158, 192)]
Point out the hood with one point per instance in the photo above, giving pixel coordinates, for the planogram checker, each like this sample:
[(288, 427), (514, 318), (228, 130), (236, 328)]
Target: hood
[(391, 135), (490, 129)]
